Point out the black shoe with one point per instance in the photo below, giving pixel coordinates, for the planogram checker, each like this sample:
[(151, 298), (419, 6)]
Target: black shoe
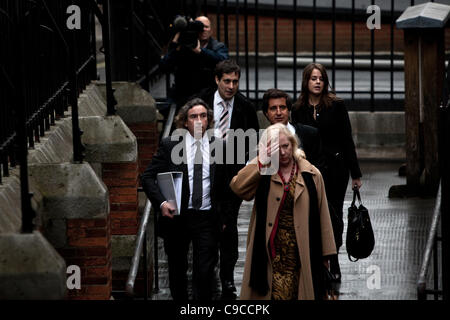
[(228, 291)]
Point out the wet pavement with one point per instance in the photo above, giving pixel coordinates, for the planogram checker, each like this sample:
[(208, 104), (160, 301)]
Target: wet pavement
[(400, 225)]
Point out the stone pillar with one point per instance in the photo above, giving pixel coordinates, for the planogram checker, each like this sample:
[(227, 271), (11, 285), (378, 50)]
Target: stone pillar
[(138, 110), (75, 220), (30, 268), (112, 152), (424, 73)]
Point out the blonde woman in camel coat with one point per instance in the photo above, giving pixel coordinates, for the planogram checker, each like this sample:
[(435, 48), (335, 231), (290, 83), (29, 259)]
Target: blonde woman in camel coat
[(245, 184)]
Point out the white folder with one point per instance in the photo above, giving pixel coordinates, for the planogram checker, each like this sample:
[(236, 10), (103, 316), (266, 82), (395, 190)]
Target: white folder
[(170, 185)]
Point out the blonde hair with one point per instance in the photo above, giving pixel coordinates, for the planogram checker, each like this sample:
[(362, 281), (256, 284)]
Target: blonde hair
[(275, 130)]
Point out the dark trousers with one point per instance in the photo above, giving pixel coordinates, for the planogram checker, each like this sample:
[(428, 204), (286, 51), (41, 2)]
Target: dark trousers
[(229, 244), (229, 252), (201, 228), (336, 181)]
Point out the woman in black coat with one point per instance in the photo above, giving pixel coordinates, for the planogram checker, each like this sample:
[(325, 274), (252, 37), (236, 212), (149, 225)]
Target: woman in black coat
[(320, 108)]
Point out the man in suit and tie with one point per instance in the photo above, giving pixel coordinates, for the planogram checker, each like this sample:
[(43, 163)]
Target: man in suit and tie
[(277, 106), (203, 201), (231, 111)]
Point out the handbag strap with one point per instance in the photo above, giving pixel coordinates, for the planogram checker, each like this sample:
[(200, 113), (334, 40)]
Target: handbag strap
[(350, 258), (356, 194)]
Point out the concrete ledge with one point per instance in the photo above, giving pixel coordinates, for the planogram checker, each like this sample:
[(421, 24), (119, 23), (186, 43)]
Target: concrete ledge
[(134, 104), (69, 191), (91, 102), (56, 146), (11, 213), (30, 268), (107, 139), (379, 135)]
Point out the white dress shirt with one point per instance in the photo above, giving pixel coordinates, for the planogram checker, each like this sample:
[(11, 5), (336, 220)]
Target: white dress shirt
[(291, 128), (191, 148), (218, 108)]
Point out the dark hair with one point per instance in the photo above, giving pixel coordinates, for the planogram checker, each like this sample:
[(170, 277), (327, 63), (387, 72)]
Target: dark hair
[(227, 66), (275, 94), (182, 115), (327, 97)]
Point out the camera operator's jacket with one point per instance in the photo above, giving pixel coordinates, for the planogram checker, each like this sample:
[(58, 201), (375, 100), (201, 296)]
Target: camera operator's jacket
[(193, 72)]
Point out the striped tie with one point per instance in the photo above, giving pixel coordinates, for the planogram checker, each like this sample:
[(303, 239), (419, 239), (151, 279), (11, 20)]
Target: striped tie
[(223, 122)]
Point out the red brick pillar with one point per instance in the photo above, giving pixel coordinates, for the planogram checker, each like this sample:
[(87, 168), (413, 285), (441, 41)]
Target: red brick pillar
[(75, 219), (89, 247), (138, 111), (121, 179), (147, 137)]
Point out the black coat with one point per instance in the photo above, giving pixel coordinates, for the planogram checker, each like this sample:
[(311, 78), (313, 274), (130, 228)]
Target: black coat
[(335, 132), (193, 72), (161, 162), (311, 144)]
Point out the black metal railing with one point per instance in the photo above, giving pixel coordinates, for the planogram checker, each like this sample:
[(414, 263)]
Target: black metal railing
[(367, 71), (431, 251), (46, 61), (140, 30), (142, 236)]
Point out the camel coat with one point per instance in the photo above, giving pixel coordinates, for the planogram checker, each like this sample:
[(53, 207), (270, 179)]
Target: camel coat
[(245, 183)]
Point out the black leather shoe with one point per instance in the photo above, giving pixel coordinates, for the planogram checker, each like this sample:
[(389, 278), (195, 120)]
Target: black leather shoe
[(228, 291)]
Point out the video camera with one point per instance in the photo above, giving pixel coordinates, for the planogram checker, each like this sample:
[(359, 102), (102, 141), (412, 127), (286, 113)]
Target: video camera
[(188, 29)]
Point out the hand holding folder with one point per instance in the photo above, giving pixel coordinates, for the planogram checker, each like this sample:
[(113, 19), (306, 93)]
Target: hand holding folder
[(170, 185)]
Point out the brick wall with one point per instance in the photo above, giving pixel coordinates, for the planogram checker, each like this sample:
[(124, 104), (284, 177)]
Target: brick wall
[(121, 179), (89, 247)]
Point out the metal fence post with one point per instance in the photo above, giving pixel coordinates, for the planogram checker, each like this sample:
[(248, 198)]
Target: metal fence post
[(21, 144), (106, 23)]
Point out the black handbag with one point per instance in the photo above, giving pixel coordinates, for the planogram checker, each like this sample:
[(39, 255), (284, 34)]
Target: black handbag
[(360, 239)]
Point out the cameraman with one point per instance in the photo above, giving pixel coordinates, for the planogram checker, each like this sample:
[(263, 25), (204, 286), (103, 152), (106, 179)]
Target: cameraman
[(193, 64)]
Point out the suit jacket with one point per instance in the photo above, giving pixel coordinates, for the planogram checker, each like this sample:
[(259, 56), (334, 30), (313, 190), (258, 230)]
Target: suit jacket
[(161, 162), (310, 143)]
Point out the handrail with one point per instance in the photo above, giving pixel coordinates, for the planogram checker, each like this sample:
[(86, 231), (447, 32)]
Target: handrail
[(137, 253), (169, 122), (422, 290), (142, 232)]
